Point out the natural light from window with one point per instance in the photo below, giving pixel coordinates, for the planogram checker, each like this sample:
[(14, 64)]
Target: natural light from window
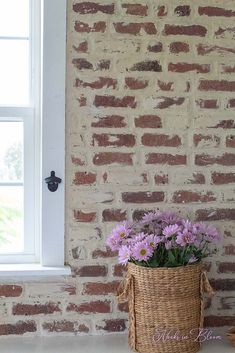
[(15, 66)]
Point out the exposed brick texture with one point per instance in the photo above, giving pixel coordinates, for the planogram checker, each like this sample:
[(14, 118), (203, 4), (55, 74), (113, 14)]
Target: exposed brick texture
[(149, 124)]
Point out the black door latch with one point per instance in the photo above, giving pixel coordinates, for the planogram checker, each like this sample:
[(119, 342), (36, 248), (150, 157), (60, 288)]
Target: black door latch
[(52, 182)]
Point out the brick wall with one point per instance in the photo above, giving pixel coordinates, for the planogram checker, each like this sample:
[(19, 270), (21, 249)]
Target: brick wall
[(150, 124)]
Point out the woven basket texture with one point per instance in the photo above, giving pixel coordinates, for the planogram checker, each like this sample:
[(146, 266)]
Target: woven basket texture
[(164, 299)]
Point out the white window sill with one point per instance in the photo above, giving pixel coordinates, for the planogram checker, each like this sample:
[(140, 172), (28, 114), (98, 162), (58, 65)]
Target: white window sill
[(32, 270)]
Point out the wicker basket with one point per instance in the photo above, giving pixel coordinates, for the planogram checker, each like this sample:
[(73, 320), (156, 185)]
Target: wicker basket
[(165, 304), (231, 336)]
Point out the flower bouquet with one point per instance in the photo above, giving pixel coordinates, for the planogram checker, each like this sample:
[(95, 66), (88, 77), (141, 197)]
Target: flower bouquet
[(165, 281)]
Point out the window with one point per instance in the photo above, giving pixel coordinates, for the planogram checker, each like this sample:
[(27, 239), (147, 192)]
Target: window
[(32, 104)]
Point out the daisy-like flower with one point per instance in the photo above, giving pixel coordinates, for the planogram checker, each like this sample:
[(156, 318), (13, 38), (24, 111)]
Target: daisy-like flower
[(142, 251), (170, 230), (210, 233), (124, 254), (169, 218), (185, 238), (150, 217), (119, 233), (152, 240)]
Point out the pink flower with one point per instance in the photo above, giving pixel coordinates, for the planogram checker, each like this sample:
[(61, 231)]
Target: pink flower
[(152, 240), (192, 259), (185, 238), (118, 234), (150, 217), (168, 244), (142, 251), (124, 254), (171, 230)]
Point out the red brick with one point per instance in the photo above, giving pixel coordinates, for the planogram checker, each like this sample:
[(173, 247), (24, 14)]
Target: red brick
[(103, 64), (193, 30), (81, 216), (104, 158), (165, 86), (230, 141), (134, 83), (228, 69), (215, 11), (220, 214), (83, 27), (216, 85), (148, 121), (231, 103), (109, 121), (208, 103), (135, 28), (82, 64), (166, 158), (186, 67), (161, 140), (114, 215), (155, 48), (136, 9), (112, 101), (161, 11), (77, 161), (35, 309), (218, 321), (10, 290), (107, 253), (138, 214), (147, 65), (123, 307), (183, 10), (18, 328), (143, 197), (225, 124), (179, 47), (226, 267), (98, 288), (167, 102), (226, 159), (209, 140), (112, 325), (161, 179), (197, 178), (94, 307), (91, 271), (118, 140), (119, 270), (88, 7), (65, 326), (82, 178), (82, 47), (204, 49), (229, 250), (223, 178), (185, 196), (101, 82)]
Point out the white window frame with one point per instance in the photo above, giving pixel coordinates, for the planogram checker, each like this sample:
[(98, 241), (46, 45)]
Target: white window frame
[(49, 66)]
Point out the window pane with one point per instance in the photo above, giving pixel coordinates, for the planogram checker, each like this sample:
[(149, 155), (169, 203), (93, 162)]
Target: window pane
[(11, 219), (14, 72), (11, 151), (14, 18)]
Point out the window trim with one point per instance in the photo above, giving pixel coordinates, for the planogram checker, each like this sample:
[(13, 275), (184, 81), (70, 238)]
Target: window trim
[(49, 116)]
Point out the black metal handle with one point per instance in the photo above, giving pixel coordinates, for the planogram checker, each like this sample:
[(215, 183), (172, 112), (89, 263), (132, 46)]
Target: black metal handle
[(52, 182)]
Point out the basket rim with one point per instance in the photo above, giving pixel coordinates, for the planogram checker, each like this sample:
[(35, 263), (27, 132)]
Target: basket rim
[(198, 264)]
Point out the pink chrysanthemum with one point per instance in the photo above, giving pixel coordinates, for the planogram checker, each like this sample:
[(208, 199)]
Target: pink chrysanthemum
[(192, 259), (168, 244), (119, 233), (184, 238), (170, 230), (150, 217), (152, 240), (124, 254), (142, 251)]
